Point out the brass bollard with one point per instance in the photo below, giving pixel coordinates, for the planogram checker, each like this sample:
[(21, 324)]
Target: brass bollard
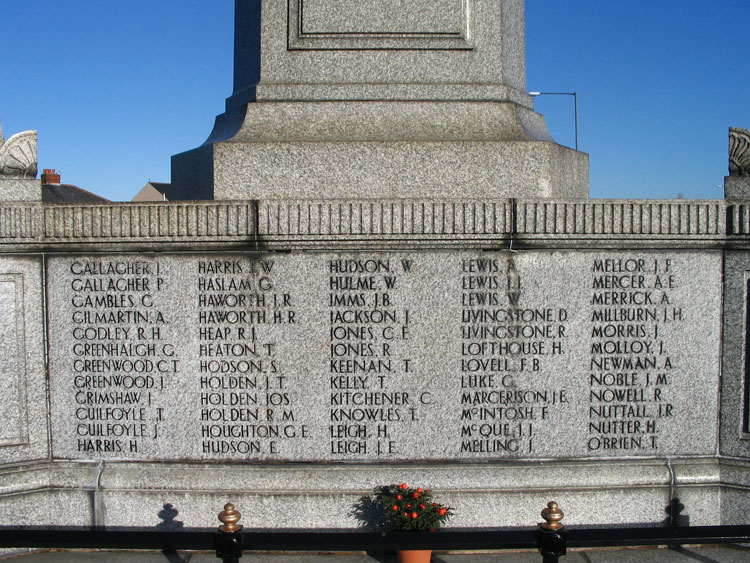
[(553, 538), (228, 538)]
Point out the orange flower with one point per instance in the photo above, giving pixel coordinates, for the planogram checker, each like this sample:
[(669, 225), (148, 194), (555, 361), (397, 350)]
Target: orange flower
[(403, 485), (414, 515)]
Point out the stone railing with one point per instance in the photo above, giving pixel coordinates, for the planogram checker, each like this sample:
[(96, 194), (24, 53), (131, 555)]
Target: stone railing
[(274, 222)]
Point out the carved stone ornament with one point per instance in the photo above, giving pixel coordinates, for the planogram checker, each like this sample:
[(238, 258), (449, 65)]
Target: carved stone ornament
[(739, 152), (18, 155)]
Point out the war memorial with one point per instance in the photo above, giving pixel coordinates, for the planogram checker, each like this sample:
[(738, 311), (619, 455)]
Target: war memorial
[(379, 267)]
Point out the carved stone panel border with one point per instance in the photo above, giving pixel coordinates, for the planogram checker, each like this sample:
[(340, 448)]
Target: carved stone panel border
[(14, 430), (745, 431)]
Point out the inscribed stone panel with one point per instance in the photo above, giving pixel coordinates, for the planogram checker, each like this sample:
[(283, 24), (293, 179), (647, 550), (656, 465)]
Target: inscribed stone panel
[(388, 356)]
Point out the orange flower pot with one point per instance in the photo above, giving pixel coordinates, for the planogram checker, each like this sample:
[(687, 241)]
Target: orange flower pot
[(414, 555)]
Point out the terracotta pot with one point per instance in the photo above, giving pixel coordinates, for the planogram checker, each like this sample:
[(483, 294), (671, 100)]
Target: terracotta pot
[(414, 555)]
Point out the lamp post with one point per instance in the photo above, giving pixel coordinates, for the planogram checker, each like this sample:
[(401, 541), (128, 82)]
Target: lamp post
[(575, 103)]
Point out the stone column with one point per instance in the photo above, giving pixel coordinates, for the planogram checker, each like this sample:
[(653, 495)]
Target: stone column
[(389, 99)]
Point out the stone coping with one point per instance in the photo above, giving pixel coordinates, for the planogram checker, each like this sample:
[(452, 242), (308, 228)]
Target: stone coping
[(359, 478), (127, 490), (279, 224)]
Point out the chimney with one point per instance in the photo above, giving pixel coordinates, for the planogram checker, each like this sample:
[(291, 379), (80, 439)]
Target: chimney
[(50, 176)]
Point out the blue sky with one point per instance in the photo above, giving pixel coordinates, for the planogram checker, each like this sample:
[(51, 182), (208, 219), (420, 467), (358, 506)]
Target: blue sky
[(116, 88)]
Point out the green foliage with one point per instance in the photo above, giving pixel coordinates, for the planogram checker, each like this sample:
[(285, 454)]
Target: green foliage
[(407, 508)]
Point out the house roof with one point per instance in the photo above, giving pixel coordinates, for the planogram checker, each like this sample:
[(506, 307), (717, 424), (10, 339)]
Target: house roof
[(154, 191), (163, 188), (68, 193)]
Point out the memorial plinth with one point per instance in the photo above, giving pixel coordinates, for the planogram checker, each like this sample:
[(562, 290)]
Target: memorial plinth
[(390, 100), (503, 352)]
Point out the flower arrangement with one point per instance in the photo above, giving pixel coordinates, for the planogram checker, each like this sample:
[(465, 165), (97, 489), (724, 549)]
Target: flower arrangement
[(407, 508)]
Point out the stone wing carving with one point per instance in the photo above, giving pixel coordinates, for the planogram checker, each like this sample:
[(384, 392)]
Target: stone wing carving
[(739, 152), (18, 155)]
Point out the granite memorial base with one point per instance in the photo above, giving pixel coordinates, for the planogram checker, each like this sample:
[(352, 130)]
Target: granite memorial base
[(345, 99), (399, 279), (290, 356), (349, 149)]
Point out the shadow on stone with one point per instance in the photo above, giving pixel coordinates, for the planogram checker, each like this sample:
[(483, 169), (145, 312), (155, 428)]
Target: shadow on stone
[(675, 518), (382, 556), (174, 557), (370, 518), (168, 515), (368, 514), (696, 556)]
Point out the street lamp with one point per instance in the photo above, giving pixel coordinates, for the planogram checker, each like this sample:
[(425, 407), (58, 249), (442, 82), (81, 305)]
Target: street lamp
[(575, 102)]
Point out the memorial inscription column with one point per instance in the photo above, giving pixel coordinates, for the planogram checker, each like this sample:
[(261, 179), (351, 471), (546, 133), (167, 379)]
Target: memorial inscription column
[(641, 317), (376, 393), (244, 403), (112, 354), (513, 340)]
